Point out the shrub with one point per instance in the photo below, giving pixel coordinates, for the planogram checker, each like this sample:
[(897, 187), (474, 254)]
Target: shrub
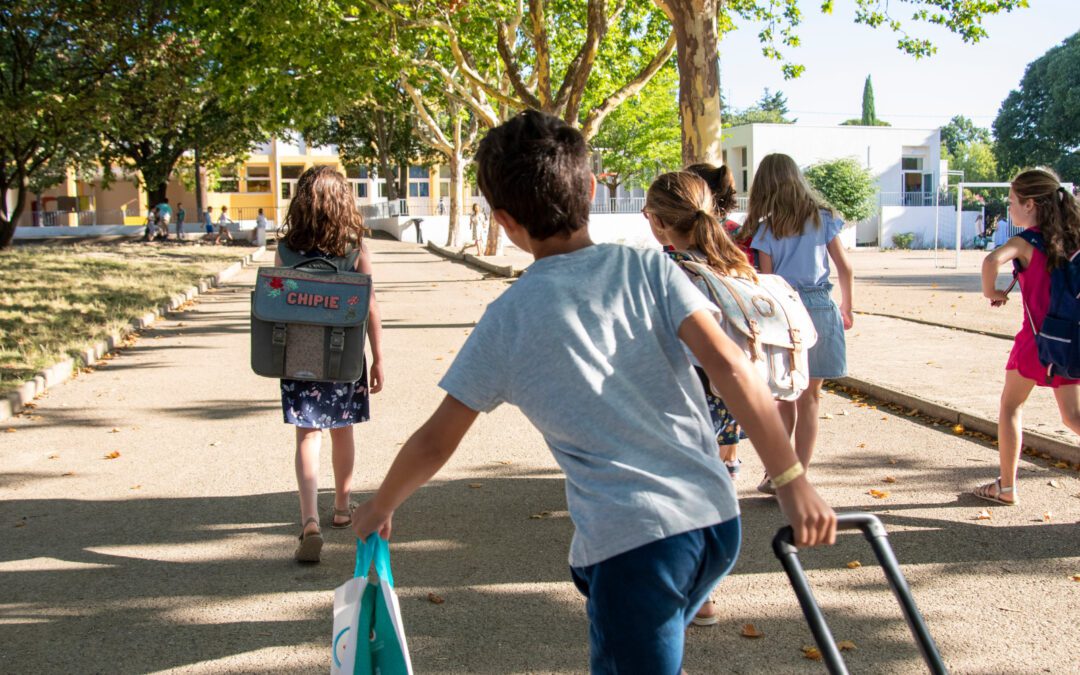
[(903, 240), (846, 185)]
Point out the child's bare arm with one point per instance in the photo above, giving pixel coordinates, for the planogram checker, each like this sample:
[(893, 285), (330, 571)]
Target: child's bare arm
[(764, 262), (1014, 248), (426, 451), (750, 401), (377, 380), (846, 276)]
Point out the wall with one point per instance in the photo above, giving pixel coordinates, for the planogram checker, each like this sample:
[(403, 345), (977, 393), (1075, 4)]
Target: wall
[(919, 220)]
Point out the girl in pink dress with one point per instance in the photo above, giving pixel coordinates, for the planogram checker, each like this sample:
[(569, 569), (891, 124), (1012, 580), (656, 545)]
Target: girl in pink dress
[(1036, 200)]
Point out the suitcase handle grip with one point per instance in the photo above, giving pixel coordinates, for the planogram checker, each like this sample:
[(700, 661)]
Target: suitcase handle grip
[(874, 531)]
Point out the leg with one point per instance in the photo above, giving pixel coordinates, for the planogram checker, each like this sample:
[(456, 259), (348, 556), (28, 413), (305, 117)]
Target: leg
[(344, 454), (1010, 437), (643, 630), (806, 424), (1068, 400), (308, 444)]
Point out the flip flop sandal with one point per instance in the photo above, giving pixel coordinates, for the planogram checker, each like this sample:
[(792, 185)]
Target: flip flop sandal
[(310, 544), (983, 492), (336, 512), (710, 620), (733, 468)]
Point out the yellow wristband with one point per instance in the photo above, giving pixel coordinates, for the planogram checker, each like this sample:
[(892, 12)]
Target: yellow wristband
[(791, 474)]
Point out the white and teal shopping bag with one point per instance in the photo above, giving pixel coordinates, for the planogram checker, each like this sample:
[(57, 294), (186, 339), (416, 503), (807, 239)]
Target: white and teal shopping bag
[(369, 638)]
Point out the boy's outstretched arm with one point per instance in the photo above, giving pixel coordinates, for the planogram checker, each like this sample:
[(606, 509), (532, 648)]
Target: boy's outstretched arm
[(750, 401), (426, 451)]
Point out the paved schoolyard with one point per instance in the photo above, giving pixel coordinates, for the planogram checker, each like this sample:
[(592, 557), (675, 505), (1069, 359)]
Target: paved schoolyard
[(175, 556)]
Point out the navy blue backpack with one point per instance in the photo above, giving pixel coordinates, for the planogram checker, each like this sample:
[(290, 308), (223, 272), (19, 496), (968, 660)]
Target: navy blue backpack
[(1058, 339)]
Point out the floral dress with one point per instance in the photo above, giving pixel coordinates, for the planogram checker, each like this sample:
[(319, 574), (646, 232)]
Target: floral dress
[(325, 405)]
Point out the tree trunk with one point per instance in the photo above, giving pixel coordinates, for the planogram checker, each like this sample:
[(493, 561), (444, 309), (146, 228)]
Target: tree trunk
[(694, 23), (457, 180), (157, 194), (9, 218), (200, 184)]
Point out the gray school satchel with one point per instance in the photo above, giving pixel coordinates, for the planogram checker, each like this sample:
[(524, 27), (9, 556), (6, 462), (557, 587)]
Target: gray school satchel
[(309, 319)]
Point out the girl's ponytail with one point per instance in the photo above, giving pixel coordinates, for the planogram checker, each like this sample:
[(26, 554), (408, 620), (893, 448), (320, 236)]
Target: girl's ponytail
[(682, 201), (1057, 212)]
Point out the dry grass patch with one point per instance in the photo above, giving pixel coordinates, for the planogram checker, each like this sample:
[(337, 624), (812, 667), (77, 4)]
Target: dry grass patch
[(58, 299)]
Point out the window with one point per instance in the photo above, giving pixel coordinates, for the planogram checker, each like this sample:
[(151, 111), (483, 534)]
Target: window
[(444, 172), (911, 164), (444, 188), (227, 180), (382, 189), (360, 188), (258, 179), (356, 172), (419, 189), (418, 172), (292, 170)]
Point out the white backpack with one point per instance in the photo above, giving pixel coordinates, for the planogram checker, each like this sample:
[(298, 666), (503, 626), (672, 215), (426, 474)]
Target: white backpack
[(768, 321)]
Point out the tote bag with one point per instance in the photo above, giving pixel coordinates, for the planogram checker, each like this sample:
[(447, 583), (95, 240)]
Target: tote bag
[(369, 638)]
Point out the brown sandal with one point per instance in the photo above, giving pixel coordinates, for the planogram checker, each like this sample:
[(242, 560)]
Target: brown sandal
[(310, 543), (336, 512)]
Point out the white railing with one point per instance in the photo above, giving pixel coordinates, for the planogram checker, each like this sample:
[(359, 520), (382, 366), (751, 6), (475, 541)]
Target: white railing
[(916, 199)]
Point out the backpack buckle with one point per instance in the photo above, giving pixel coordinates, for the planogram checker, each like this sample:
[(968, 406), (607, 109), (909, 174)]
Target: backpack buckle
[(337, 340), (278, 336)]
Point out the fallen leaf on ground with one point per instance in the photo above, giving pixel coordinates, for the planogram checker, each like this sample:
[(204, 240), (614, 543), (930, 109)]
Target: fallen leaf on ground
[(68, 473), (11, 430), (435, 599), (877, 494), (475, 486), (811, 653), (983, 515), (1055, 484), (846, 645), (114, 430), (958, 429), (854, 565), (888, 479), (538, 516), (54, 456), (1062, 465), (1076, 577), (750, 630), (912, 413), (885, 418), (862, 445), (215, 444), (1048, 516), (843, 412), (504, 462), (134, 487), (21, 523), (826, 416), (438, 358), (113, 455)]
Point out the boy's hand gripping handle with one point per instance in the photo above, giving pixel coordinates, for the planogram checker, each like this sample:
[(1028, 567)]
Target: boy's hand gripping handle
[(875, 533)]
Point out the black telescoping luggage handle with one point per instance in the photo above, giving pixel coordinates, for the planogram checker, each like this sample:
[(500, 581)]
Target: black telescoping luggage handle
[(874, 531)]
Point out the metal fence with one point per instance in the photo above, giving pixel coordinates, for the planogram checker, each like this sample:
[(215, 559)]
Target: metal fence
[(63, 218)]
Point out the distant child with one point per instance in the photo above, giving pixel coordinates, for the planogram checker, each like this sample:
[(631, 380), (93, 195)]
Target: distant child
[(223, 226), (260, 229), (589, 345), (1037, 202), (679, 208), (476, 218), (181, 214), (208, 224), (795, 233), (323, 222), (151, 224)]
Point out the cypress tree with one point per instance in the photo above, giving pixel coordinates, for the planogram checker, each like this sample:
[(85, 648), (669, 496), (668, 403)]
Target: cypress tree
[(869, 117)]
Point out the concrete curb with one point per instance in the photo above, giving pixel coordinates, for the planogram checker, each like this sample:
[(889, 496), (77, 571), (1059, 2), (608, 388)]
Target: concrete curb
[(1039, 442), (468, 258), (14, 402)]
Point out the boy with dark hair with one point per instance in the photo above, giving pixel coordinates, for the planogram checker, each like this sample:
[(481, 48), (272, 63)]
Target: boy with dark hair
[(589, 345)]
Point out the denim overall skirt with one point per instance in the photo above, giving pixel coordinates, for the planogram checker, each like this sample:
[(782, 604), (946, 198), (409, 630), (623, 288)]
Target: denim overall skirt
[(828, 357)]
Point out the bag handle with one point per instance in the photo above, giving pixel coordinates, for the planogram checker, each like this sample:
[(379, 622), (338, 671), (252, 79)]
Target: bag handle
[(376, 550)]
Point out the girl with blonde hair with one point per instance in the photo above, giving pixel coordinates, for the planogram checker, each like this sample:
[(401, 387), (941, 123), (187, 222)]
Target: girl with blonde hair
[(323, 222), (795, 233), (680, 209), (1043, 207)]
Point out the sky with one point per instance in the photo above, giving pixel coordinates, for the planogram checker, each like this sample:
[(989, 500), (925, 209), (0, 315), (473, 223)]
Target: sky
[(960, 79)]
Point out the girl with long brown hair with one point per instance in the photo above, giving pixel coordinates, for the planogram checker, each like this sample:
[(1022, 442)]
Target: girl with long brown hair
[(795, 234), (323, 222), (1038, 203), (681, 212)]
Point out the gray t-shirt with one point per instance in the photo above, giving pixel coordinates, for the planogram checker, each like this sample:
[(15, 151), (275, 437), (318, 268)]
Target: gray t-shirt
[(586, 345), (802, 261)]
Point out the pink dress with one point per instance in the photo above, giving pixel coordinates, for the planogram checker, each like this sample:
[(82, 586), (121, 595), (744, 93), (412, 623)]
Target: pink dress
[(1035, 290)]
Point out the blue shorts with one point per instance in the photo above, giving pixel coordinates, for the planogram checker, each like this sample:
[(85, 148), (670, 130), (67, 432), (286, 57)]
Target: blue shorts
[(641, 602), (828, 357)]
